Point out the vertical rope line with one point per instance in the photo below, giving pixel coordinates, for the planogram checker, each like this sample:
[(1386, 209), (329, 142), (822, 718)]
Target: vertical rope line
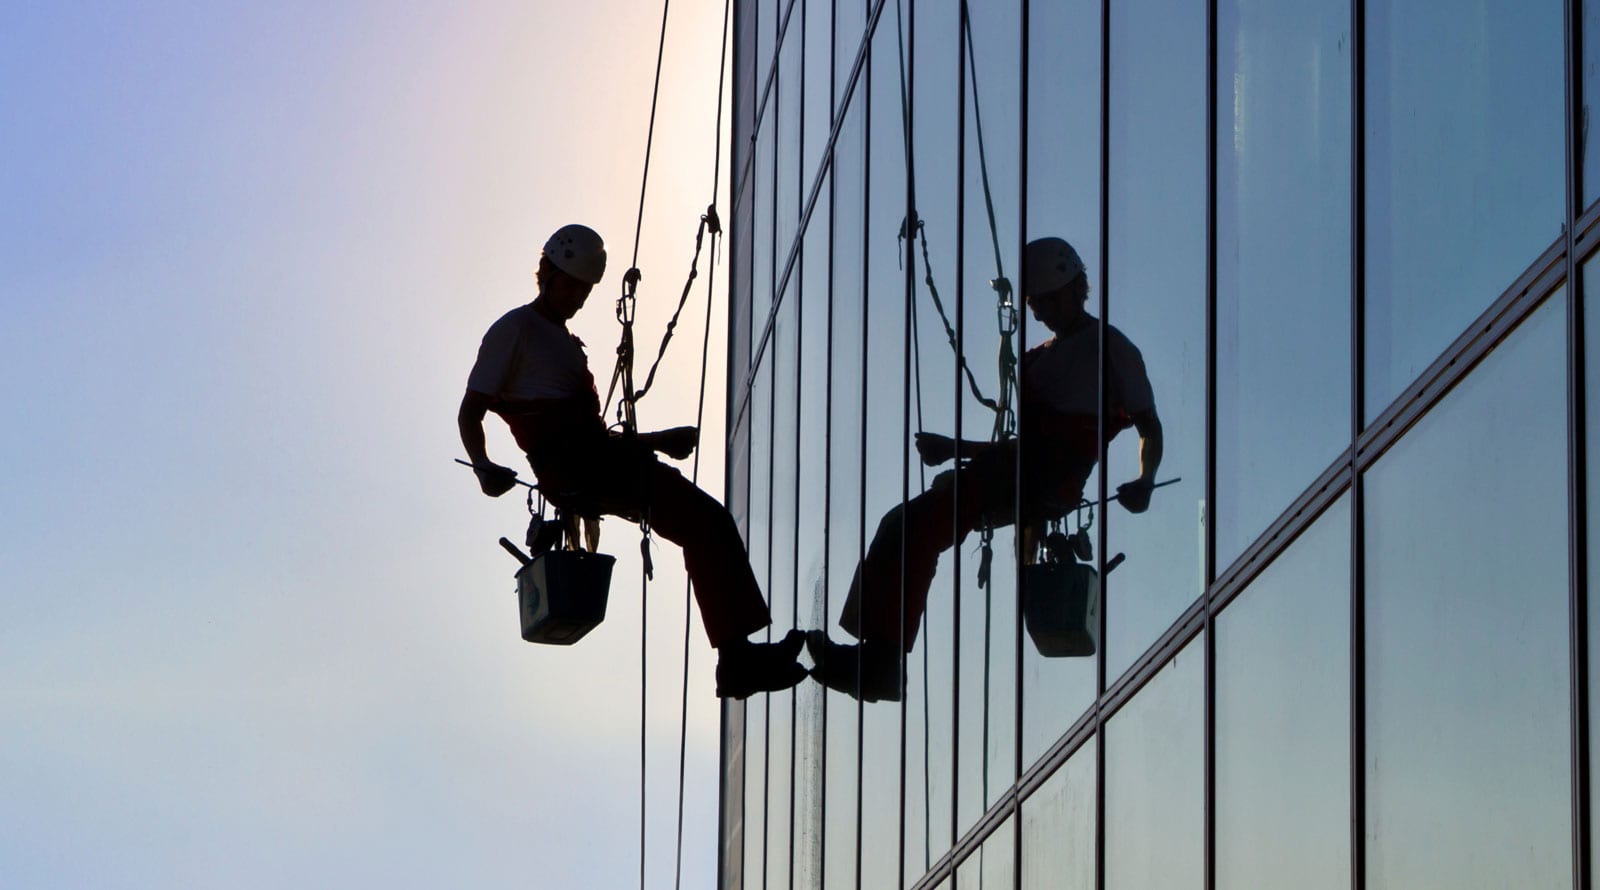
[(694, 473), (650, 131), (913, 226), (644, 584), (644, 676), (960, 344)]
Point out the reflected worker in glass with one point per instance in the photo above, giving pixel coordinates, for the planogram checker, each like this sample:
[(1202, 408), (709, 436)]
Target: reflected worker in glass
[(1058, 444)]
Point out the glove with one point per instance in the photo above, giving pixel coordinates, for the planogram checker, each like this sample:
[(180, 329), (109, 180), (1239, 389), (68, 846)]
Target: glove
[(676, 443), (495, 480), (934, 448), (1135, 495)]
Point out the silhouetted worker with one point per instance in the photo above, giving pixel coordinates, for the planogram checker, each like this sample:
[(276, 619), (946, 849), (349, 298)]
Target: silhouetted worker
[(534, 374), (1059, 446)]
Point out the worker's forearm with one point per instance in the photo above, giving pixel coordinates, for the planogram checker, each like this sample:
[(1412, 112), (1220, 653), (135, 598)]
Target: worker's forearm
[(473, 440), (1150, 448), (469, 420)]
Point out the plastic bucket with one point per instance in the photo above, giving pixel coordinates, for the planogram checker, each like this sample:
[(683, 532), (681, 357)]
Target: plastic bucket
[(1061, 608), (562, 595)]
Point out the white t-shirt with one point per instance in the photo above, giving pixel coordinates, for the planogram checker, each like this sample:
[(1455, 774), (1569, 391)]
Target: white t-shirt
[(525, 356), (1061, 373)]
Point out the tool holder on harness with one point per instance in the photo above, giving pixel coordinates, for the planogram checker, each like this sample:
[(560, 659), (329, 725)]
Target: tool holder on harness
[(1061, 594), (561, 589)]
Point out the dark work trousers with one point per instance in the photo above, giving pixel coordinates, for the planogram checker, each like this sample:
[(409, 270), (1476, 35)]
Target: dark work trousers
[(613, 476), (980, 492)]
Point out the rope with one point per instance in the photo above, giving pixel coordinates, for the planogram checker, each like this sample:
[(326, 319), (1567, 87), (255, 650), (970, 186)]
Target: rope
[(650, 133), (699, 417), (627, 418), (623, 372), (708, 221)]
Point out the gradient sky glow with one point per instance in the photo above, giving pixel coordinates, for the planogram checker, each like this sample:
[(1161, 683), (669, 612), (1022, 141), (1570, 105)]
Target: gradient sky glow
[(258, 633)]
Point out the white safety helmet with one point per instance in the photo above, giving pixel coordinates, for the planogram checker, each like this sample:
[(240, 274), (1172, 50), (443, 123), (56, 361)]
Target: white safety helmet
[(1050, 264), (578, 251)]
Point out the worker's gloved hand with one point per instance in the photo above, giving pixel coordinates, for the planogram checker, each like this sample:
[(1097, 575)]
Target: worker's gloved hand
[(676, 443), (494, 479), (934, 448), (1135, 495)]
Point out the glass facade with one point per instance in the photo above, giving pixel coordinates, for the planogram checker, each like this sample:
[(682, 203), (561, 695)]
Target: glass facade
[(1242, 543)]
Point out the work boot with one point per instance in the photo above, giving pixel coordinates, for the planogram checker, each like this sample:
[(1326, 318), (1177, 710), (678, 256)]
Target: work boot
[(745, 668), (868, 671)]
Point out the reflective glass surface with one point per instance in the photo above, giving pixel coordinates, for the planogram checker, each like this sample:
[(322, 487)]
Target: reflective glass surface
[(790, 110), (1464, 170), (1155, 287), (1155, 781), (992, 866), (1591, 376), (849, 23), (1058, 828), (741, 252), (1064, 202), (816, 95), (811, 531), (1589, 147), (779, 580), (730, 846), (1466, 618), (931, 33), (743, 79), (758, 710), (1283, 719), (1283, 256), (763, 184), (988, 616), (886, 417), (846, 417), (768, 16)]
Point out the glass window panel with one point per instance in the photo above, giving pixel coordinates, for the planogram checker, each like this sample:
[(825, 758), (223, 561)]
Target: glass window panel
[(818, 84), (1155, 287), (1064, 202), (932, 77), (1058, 827), (1283, 257), (763, 183), (731, 845), (778, 582), (1283, 719), (1155, 781), (849, 25), (886, 436), (988, 617), (790, 116), (745, 86), (811, 537), (742, 257), (1591, 374), (768, 18), (1464, 170), (1589, 152), (1466, 624), (993, 865), (757, 709), (846, 540)]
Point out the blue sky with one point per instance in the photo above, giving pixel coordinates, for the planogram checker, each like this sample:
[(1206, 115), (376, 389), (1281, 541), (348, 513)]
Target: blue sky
[(257, 632)]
